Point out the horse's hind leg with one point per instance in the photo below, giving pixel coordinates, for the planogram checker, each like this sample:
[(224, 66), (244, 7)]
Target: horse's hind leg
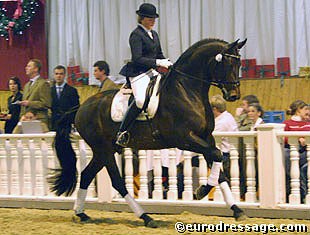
[(87, 175), (119, 184)]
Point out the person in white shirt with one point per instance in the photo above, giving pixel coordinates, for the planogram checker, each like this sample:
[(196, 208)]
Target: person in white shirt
[(224, 121)]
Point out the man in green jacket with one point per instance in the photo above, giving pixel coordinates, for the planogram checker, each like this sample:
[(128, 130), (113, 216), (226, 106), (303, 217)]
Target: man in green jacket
[(37, 92), (101, 73)]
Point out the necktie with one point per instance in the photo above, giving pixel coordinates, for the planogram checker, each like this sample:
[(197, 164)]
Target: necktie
[(59, 90)]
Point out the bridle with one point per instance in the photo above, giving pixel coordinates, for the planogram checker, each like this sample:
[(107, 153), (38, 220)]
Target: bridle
[(217, 83)]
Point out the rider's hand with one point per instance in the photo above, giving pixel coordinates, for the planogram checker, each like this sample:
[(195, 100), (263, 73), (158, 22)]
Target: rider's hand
[(166, 63)]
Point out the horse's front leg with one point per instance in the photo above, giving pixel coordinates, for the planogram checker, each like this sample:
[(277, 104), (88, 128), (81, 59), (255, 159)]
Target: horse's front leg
[(213, 156)]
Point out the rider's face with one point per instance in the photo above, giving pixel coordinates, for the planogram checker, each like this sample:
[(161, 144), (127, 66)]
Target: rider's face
[(148, 22)]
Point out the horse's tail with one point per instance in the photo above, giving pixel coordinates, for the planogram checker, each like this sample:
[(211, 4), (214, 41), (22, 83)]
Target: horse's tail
[(63, 180)]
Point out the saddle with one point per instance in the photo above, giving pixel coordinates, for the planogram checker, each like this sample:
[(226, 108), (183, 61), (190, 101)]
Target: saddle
[(124, 96)]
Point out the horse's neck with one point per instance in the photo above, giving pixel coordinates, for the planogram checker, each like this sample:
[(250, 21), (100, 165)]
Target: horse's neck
[(189, 90)]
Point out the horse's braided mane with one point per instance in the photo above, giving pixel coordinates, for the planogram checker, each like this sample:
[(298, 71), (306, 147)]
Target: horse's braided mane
[(190, 50)]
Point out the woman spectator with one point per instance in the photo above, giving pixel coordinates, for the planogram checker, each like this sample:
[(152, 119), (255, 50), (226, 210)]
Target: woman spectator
[(242, 119), (255, 114), (12, 118), (298, 122)]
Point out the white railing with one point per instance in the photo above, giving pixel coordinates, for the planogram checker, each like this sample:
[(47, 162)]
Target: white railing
[(25, 159)]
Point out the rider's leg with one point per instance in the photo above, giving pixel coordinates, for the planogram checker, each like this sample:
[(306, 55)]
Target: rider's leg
[(139, 85), (130, 116)]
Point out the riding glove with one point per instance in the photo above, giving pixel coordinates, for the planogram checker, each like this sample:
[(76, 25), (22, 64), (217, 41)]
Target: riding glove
[(166, 63)]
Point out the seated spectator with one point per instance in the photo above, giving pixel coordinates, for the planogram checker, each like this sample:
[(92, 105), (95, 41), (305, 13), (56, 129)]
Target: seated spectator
[(11, 118), (298, 122), (255, 114), (28, 116), (224, 121), (244, 123)]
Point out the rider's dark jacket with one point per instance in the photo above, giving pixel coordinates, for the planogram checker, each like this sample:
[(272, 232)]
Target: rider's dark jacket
[(144, 51)]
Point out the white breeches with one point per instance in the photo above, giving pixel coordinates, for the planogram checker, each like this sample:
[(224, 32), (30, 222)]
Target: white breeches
[(139, 85)]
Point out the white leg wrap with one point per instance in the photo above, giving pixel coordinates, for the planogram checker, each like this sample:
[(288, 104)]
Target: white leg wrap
[(134, 206), (80, 201), (215, 173), (228, 197)]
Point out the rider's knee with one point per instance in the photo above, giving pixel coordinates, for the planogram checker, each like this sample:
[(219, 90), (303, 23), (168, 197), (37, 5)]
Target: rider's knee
[(139, 103)]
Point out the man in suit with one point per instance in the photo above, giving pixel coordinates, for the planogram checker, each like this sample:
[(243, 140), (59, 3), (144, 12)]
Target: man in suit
[(37, 92), (65, 101), (101, 73)]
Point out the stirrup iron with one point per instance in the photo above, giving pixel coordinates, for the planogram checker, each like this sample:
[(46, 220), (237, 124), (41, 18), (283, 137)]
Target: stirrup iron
[(123, 138)]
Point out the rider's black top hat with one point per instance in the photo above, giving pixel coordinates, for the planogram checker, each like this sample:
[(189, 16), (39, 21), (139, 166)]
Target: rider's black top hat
[(147, 10)]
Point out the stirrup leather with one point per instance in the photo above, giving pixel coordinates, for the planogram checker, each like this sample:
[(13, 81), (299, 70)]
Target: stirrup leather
[(123, 138)]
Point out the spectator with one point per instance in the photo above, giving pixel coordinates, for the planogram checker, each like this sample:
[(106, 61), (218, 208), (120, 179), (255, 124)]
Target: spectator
[(12, 117), (298, 122), (244, 123), (28, 116), (37, 92), (101, 73), (65, 101), (224, 121), (255, 114)]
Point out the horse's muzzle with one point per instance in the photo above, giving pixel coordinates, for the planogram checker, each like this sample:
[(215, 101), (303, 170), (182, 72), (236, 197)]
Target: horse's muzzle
[(232, 95)]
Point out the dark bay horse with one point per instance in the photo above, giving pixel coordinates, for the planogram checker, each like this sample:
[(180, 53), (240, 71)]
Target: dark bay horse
[(184, 120)]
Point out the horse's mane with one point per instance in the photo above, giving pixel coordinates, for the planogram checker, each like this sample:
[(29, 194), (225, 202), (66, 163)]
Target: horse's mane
[(191, 49)]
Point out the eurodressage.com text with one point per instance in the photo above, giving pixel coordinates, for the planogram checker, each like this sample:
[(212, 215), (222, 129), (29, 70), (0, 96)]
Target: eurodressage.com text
[(258, 228)]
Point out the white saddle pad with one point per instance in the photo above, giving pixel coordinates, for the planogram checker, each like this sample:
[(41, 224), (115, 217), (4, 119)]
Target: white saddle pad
[(120, 104)]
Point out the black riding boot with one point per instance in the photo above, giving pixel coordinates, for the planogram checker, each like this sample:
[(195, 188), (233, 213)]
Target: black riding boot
[(123, 135)]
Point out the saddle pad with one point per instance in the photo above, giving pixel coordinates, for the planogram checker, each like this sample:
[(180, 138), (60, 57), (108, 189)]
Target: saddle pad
[(120, 104)]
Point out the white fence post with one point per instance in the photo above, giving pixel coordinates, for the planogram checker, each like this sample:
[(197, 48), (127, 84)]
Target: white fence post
[(234, 168), (173, 189), (143, 192), (294, 197), (188, 182), (250, 195), (271, 166), (129, 171), (158, 191)]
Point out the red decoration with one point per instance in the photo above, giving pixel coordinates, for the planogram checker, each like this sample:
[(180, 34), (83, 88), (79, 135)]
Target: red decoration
[(265, 71), (283, 67), (76, 77), (248, 68)]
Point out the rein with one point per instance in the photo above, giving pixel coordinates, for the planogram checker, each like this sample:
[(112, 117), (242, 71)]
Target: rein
[(217, 83), (214, 83)]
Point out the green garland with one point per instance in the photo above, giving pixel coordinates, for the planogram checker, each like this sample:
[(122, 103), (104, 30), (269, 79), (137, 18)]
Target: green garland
[(29, 8)]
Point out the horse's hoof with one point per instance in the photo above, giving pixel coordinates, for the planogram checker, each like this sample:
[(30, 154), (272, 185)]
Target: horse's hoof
[(151, 224), (240, 216), (203, 191), (81, 217)]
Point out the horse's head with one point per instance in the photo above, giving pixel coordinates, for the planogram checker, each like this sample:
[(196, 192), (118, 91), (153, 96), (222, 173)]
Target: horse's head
[(223, 69), (213, 62)]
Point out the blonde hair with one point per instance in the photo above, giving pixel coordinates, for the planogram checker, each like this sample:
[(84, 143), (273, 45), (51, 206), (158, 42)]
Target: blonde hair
[(218, 102)]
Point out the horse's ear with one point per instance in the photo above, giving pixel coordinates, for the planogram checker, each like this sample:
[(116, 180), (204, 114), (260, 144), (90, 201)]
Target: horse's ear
[(241, 44), (232, 45)]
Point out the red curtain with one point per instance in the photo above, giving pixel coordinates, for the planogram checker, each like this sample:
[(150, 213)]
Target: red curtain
[(31, 44)]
